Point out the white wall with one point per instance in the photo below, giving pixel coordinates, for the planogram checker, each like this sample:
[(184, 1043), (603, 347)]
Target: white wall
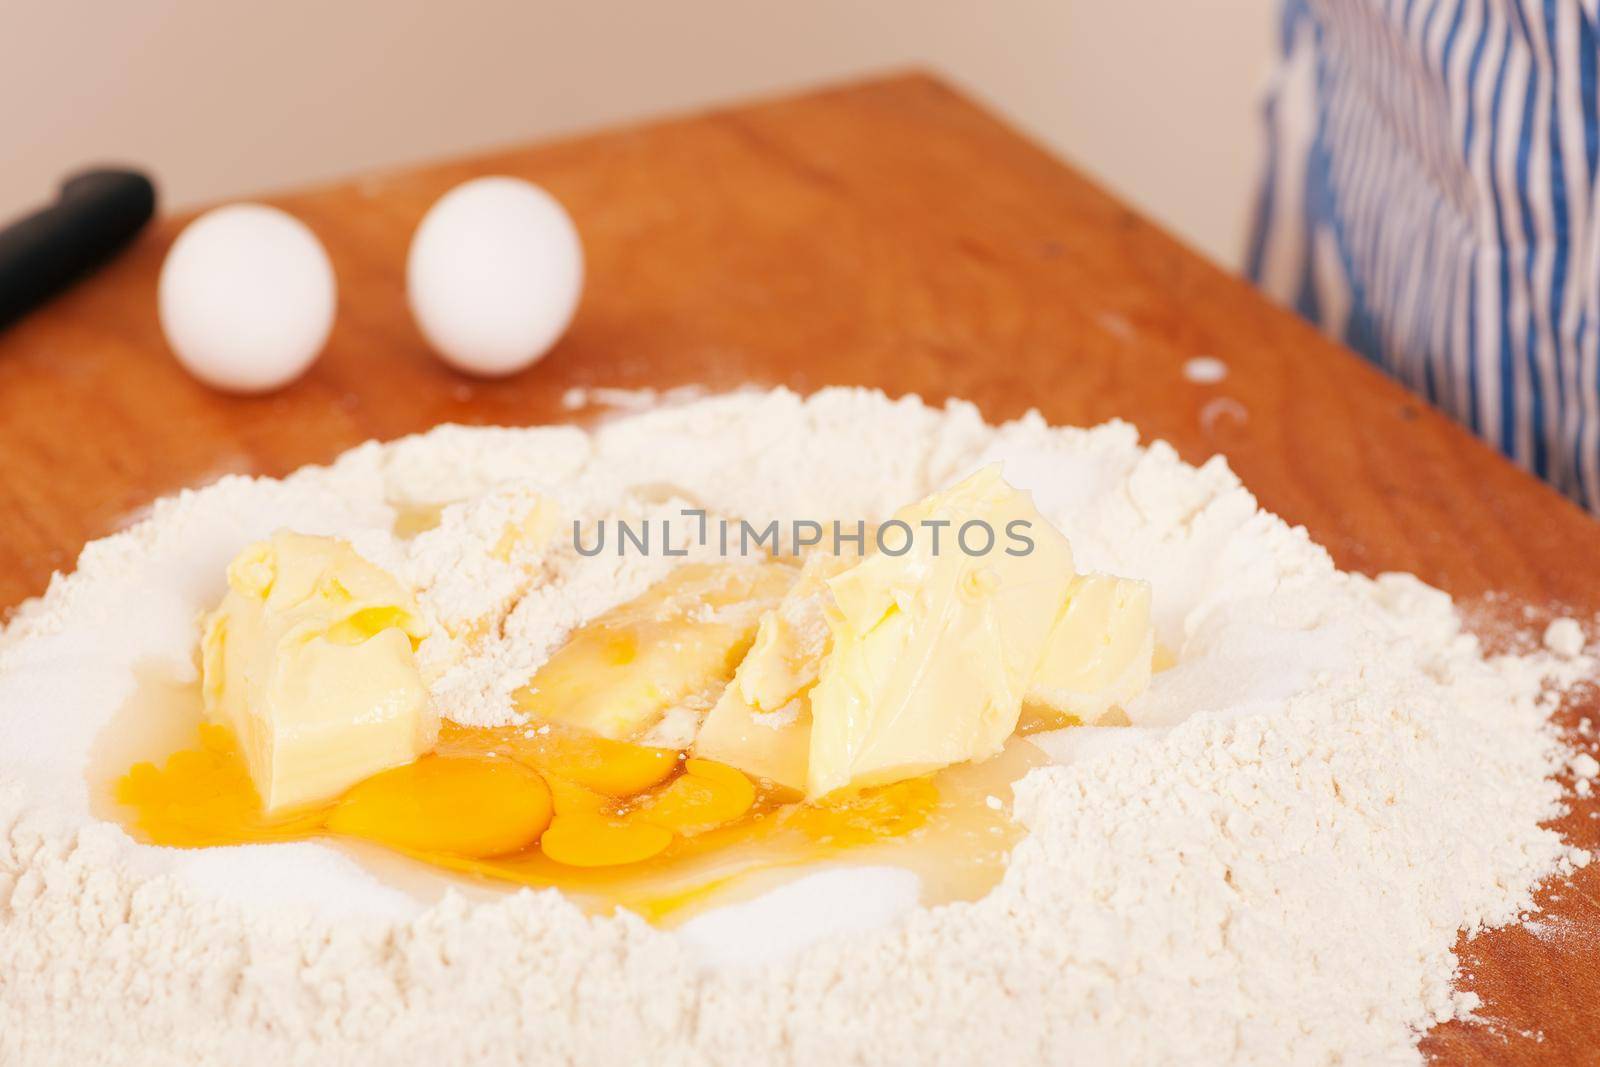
[(1158, 98)]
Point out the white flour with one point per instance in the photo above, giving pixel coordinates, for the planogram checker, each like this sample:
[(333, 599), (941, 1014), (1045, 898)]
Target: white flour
[(1272, 865)]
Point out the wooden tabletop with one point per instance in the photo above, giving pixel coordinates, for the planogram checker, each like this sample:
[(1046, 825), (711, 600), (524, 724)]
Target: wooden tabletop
[(888, 234)]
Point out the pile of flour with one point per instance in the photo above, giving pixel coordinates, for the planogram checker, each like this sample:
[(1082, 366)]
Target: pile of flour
[(1272, 864)]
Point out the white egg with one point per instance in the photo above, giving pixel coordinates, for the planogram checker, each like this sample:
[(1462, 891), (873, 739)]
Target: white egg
[(247, 298), (494, 275)]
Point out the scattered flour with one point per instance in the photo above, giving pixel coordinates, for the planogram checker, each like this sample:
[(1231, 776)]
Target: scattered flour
[(1564, 637), (1205, 370), (1220, 410), (646, 399), (1271, 865)]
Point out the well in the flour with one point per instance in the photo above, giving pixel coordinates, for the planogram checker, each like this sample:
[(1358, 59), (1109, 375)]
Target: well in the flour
[(864, 706)]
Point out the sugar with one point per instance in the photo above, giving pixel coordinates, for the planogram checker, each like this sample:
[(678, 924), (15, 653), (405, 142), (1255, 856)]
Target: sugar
[(778, 924)]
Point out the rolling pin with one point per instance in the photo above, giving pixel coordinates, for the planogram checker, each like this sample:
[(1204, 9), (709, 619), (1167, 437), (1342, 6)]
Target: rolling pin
[(95, 215)]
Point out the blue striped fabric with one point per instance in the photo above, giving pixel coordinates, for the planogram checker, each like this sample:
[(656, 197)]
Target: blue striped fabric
[(1431, 200)]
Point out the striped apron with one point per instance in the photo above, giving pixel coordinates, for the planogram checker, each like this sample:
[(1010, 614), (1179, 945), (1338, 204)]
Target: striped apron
[(1430, 199)]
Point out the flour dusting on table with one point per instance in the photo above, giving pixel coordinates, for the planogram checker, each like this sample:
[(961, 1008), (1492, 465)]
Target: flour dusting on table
[(1272, 864)]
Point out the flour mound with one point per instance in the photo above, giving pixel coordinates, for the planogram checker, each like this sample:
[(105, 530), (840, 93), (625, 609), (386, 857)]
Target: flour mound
[(1271, 865)]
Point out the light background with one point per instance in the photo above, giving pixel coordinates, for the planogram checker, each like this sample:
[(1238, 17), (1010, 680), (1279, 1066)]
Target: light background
[(1159, 99)]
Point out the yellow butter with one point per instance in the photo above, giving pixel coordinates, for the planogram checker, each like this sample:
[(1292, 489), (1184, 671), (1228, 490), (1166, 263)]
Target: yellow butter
[(792, 639), (536, 528), (677, 643), (774, 745), (762, 722), (310, 660), (880, 668), (1100, 652), (931, 651)]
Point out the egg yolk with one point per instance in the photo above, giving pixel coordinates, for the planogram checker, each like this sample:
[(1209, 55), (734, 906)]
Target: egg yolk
[(567, 801), (610, 822), (469, 807)]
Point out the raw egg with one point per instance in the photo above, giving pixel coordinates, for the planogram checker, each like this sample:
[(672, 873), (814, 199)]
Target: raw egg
[(494, 275), (246, 298)]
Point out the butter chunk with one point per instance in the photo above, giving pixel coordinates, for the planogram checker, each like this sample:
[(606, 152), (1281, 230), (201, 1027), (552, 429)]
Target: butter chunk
[(775, 745), (677, 643), (762, 722), (310, 659), (1100, 652), (931, 652), (533, 531), (792, 640)]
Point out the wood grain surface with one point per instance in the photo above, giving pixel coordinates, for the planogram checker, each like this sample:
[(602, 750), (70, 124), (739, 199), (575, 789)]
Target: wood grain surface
[(887, 234)]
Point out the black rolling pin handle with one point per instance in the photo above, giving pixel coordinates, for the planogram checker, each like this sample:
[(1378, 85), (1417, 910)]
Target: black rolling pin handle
[(96, 214)]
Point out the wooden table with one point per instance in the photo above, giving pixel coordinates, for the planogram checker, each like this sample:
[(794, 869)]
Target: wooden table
[(889, 234)]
